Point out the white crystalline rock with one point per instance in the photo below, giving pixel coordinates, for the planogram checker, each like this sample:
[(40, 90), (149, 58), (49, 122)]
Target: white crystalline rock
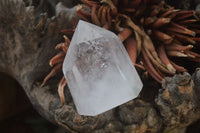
[(98, 70)]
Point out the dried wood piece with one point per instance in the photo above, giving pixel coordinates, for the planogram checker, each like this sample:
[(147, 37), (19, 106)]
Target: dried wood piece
[(178, 96), (142, 117)]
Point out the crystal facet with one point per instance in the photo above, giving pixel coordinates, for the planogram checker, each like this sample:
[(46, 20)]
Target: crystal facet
[(98, 70)]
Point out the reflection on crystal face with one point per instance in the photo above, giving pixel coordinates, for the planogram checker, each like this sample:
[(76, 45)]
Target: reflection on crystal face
[(98, 70)]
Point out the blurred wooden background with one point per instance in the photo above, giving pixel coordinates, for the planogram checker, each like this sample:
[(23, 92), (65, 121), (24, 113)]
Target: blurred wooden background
[(12, 97), (16, 113)]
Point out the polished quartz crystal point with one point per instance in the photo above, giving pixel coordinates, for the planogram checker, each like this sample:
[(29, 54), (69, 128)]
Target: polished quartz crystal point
[(98, 70)]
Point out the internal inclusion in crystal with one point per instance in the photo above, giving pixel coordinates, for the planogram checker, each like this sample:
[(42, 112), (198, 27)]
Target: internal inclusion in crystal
[(93, 57)]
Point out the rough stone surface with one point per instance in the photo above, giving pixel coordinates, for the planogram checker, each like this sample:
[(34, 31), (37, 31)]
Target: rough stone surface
[(177, 100), (139, 117)]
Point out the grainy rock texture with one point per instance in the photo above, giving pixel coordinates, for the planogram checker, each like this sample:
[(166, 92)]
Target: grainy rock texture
[(178, 100), (27, 44)]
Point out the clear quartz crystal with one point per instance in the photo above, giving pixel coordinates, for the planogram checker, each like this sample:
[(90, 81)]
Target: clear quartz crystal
[(98, 70)]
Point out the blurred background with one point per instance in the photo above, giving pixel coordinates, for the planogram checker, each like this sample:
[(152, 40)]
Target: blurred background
[(16, 112)]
